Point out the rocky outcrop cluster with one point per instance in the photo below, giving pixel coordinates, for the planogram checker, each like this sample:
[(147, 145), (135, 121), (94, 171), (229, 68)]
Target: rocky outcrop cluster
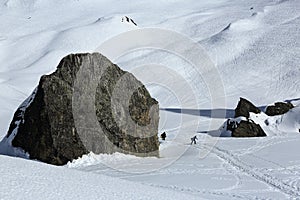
[(244, 126)]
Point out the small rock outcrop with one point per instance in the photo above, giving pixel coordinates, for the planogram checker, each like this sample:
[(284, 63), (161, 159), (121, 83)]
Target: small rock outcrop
[(242, 125), (279, 108), (248, 129), (244, 107), (87, 104)]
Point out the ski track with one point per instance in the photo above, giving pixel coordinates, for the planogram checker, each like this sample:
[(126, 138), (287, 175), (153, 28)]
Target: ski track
[(266, 142), (203, 192), (237, 176), (234, 161)]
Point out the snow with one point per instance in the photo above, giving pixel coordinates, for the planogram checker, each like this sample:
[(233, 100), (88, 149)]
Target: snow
[(255, 53), (33, 180), (6, 147), (290, 121)]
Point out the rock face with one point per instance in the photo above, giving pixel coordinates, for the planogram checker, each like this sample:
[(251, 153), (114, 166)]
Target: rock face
[(87, 104), (279, 108), (244, 107), (248, 129), (242, 125)]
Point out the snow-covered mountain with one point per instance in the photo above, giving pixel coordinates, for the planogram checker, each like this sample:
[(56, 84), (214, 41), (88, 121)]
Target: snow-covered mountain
[(255, 50)]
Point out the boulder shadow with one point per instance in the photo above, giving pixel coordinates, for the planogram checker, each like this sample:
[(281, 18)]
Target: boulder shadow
[(215, 133), (291, 100), (219, 113)]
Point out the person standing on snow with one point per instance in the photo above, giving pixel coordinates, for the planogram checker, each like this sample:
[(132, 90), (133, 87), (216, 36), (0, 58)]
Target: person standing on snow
[(163, 136), (193, 139)]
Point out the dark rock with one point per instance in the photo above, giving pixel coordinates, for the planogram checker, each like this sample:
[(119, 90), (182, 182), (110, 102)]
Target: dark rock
[(77, 109), (279, 108), (245, 127), (244, 107), (129, 20), (231, 125), (248, 129)]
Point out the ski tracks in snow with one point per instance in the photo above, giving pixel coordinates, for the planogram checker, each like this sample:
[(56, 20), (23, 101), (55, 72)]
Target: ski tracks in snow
[(277, 184), (203, 192), (266, 142)]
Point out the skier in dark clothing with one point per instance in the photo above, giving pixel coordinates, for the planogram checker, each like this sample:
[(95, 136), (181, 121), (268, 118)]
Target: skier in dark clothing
[(163, 136), (193, 140)]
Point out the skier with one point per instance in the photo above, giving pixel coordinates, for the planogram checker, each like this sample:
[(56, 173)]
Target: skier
[(163, 136), (193, 139)]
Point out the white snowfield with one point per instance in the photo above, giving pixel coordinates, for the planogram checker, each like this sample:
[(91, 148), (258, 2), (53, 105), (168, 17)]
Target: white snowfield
[(22, 179), (255, 47)]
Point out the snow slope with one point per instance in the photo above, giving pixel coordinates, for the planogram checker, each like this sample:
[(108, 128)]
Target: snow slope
[(33, 180), (255, 47)]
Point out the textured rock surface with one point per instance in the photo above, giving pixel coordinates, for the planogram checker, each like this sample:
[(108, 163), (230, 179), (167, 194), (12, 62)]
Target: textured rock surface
[(248, 129), (242, 125), (74, 112), (278, 108), (244, 107)]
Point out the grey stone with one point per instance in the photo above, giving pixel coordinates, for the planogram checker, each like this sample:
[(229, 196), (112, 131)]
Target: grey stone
[(244, 107), (279, 108), (248, 129), (87, 104)]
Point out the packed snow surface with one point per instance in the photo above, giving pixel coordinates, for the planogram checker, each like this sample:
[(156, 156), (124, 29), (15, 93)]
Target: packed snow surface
[(255, 48)]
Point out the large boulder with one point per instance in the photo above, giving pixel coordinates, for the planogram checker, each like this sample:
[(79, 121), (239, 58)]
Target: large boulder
[(244, 107), (279, 108), (247, 129), (87, 104)]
